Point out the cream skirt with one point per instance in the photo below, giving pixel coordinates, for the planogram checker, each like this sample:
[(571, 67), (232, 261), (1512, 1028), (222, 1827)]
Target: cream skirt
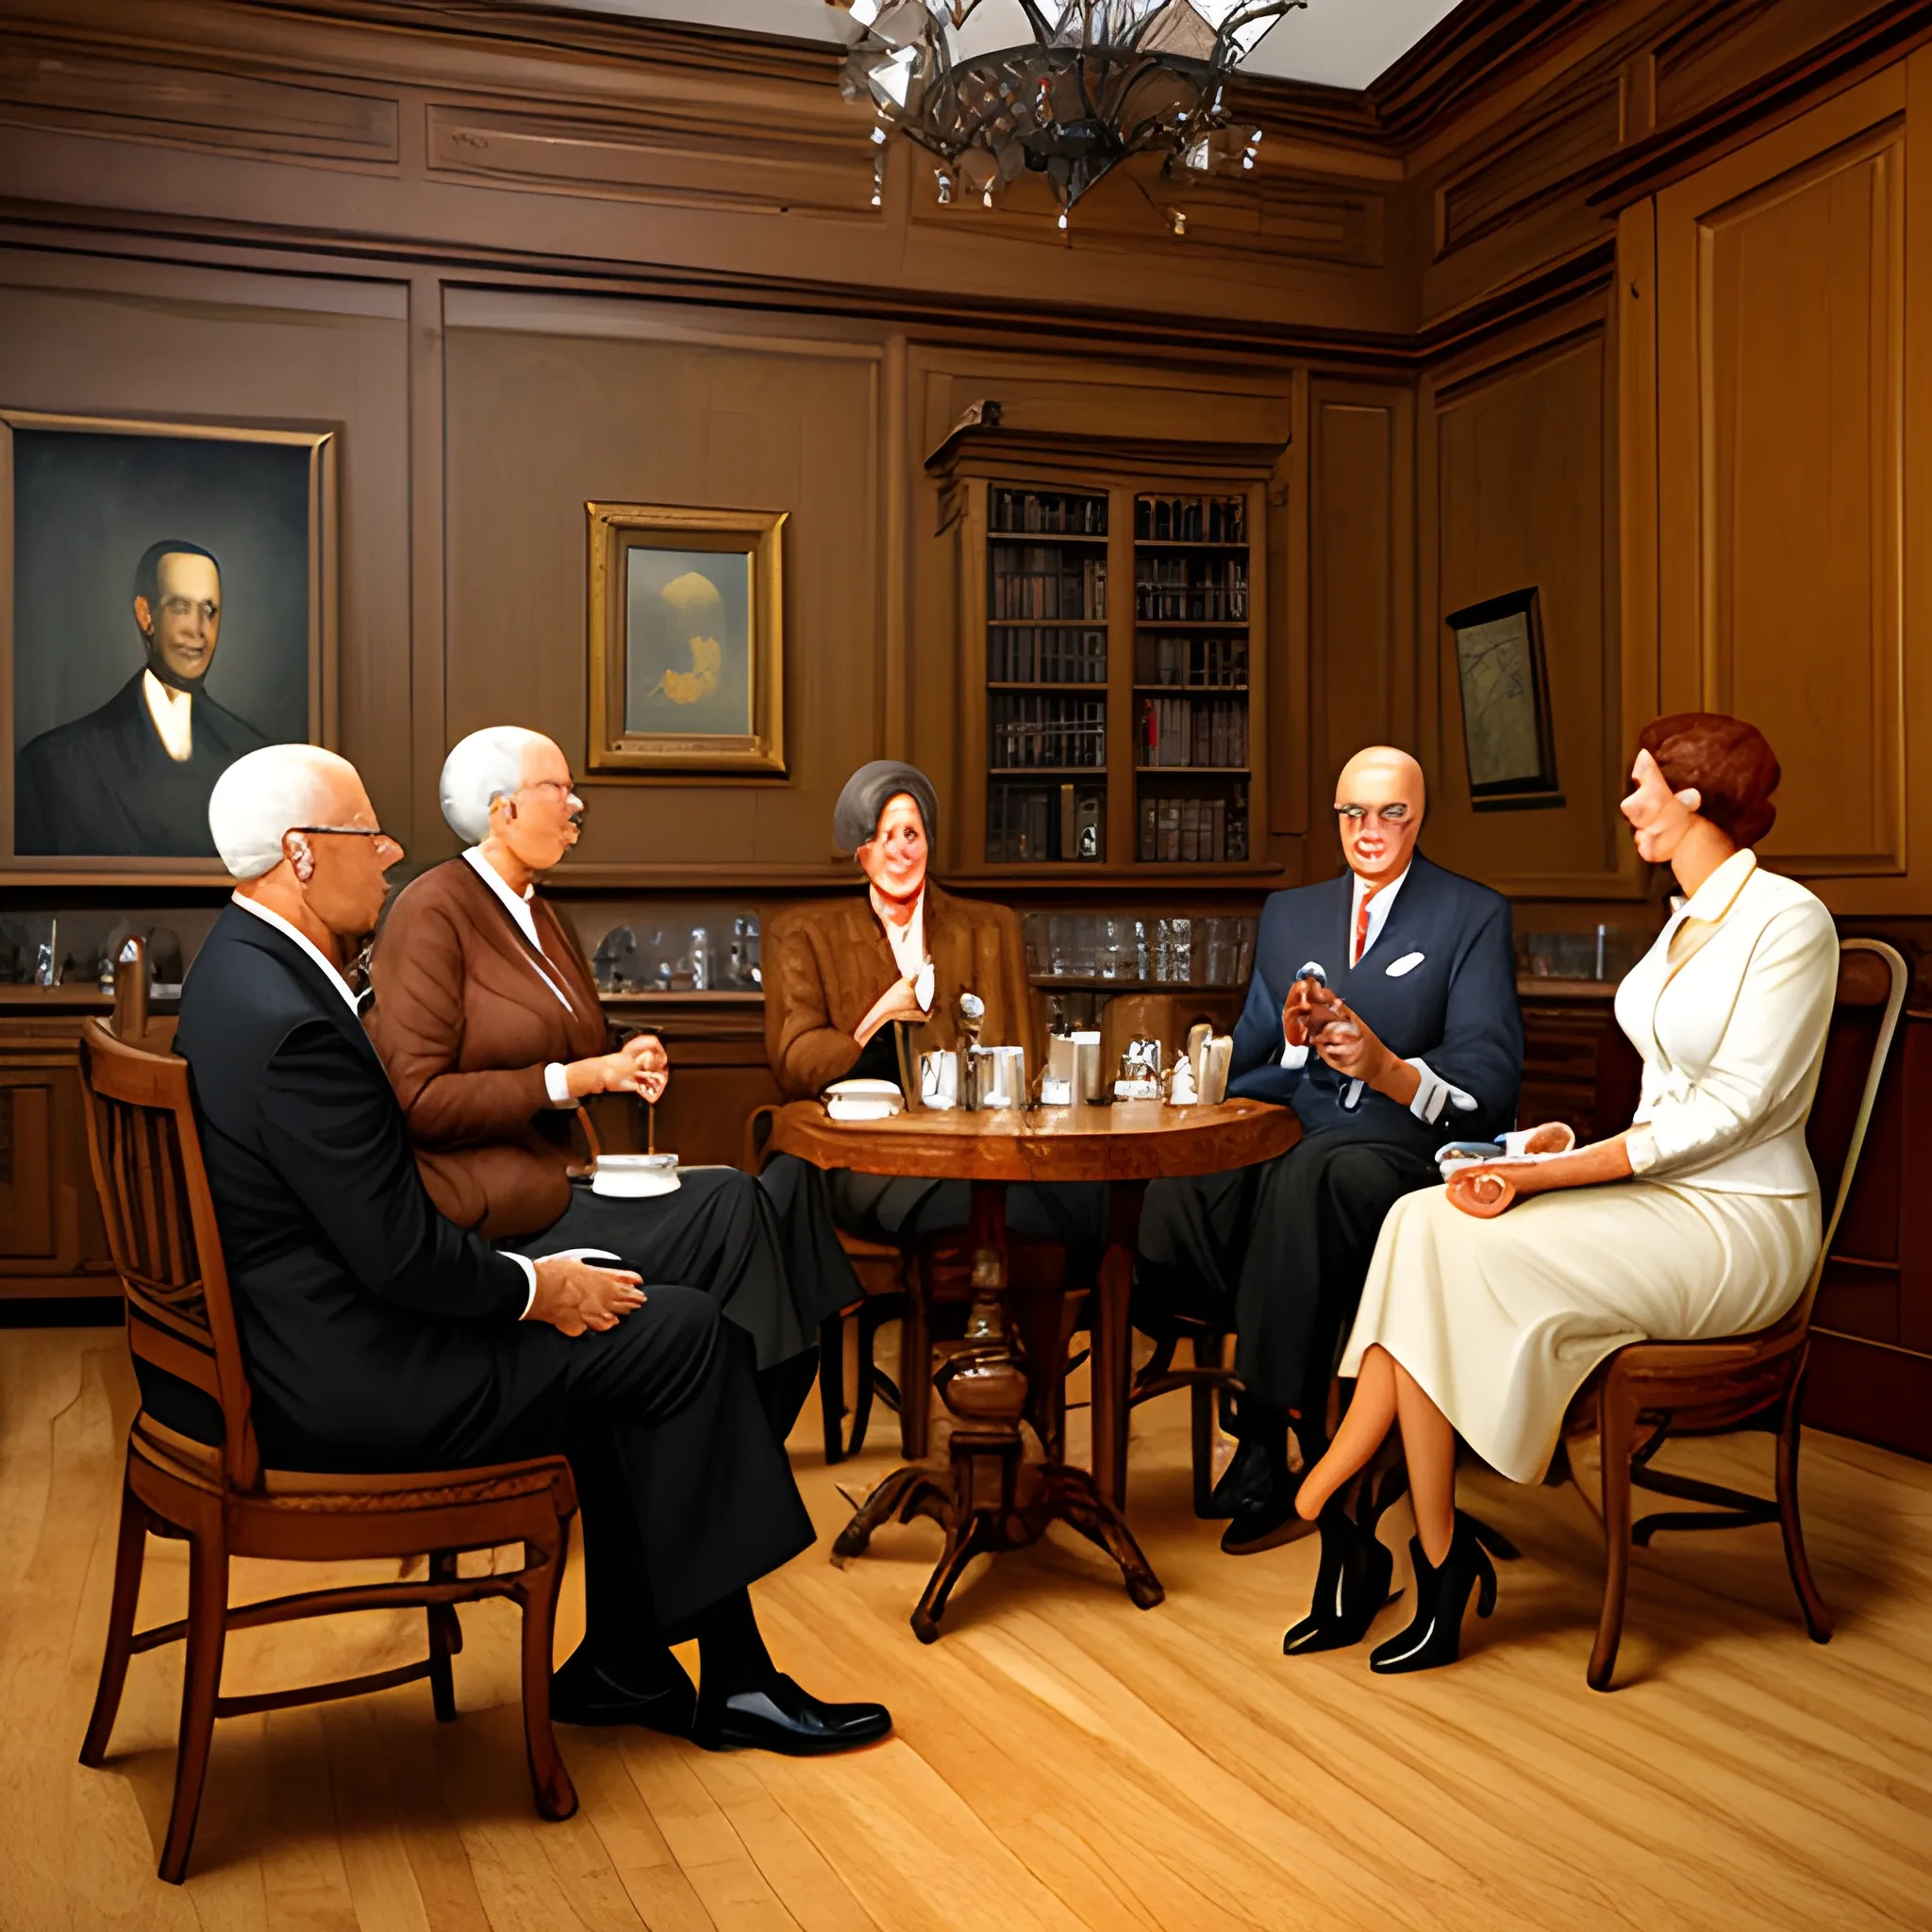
[(1501, 1321)]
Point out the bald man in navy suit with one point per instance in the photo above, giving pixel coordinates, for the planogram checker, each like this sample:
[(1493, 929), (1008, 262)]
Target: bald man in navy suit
[(1382, 1008)]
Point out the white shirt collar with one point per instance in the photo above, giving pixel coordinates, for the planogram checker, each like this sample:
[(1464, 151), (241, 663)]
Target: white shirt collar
[(1719, 893), (908, 941), (1378, 909), (172, 714), (302, 939), (518, 910)]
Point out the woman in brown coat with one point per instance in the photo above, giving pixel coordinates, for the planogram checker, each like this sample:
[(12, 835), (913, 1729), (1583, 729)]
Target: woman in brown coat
[(490, 1026), (861, 988)]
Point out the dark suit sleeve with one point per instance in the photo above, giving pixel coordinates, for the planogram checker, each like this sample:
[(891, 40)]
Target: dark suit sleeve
[(1254, 1069), (330, 1129), (1481, 1047)]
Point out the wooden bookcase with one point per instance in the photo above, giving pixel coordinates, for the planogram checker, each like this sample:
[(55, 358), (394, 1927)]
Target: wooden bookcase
[(1113, 664)]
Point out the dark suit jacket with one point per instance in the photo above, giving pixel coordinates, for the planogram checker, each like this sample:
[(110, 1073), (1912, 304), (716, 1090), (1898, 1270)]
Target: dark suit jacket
[(1453, 1008), (825, 966), (105, 784), (366, 1320), (466, 1026)]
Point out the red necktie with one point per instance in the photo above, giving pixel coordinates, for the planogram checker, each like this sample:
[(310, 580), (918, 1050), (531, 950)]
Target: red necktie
[(1361, 930)]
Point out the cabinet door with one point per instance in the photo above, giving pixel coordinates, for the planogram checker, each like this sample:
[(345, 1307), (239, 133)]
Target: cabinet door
[(29, 1220)]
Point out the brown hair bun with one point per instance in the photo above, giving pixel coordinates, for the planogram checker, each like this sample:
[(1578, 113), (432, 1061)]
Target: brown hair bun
[(1730, 762)]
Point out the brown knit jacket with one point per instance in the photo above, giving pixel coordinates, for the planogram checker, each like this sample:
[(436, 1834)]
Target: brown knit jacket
[(466, 1026), (825, 966)]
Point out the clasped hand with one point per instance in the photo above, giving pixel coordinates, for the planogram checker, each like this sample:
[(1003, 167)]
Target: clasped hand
[(1314, 1016), (900, 1000), (572, 1295), (639, 1066)]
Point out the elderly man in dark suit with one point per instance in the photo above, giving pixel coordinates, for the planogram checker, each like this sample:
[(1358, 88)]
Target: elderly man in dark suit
[(1382, 1008), (132, 778), (379, 1335)]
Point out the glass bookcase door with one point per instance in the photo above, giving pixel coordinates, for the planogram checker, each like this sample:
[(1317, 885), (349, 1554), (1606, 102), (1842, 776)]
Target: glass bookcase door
[(1046, 675)]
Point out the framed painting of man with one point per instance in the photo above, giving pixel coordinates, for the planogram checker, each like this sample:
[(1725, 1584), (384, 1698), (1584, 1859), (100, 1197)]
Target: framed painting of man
[(166, 603), (687, 640)]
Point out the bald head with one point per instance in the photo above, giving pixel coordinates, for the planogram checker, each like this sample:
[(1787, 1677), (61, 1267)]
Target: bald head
[(1379, 800)]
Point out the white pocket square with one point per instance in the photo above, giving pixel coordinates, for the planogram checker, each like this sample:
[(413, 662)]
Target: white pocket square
[(1407, 964)]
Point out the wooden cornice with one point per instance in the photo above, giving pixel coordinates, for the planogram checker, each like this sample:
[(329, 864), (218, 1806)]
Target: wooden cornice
[(1684, 146), (1468, 52)]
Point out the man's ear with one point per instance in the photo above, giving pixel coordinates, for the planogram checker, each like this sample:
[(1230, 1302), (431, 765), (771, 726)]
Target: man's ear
[(300, 855), (144, 617), (1689, 798)]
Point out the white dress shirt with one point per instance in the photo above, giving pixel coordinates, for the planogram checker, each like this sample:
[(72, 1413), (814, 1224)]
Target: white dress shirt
[(1732, 1034), (341, 986), (556, 1080), (173, 712), (908, 942)]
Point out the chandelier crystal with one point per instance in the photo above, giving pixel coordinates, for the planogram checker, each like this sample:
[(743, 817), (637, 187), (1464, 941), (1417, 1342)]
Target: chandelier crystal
[(1097, 82)]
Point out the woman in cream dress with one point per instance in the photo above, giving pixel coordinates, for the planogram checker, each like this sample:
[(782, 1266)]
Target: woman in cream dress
[(1489, 1302)]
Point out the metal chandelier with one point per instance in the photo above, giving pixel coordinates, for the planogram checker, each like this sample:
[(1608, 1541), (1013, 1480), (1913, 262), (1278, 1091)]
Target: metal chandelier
[(1098, 82)]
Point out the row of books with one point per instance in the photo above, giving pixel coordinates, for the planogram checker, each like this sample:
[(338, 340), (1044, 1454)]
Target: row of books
[(1028, 823), (1209, 590), (1192, 731), (1190, 519), (1025, 732), (1212, 831), (1192, 661), (1040, 582), (1041, 653), (1027, 512)]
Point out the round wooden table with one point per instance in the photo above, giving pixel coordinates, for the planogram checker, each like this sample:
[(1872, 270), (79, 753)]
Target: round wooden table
[(987, 1494)]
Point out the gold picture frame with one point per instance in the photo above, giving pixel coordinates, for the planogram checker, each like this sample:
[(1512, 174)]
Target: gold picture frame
[(687, 641), (95, 492)]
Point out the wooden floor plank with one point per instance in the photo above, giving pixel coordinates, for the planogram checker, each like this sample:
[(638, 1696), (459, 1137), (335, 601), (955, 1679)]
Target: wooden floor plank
[(1061, 1759)]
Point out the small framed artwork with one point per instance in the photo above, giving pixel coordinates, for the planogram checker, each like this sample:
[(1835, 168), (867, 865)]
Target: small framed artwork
[(166, 603), (1505, 704), (687, 641)]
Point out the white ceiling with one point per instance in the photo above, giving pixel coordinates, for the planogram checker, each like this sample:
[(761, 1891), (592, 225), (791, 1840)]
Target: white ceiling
[(1341, 42)]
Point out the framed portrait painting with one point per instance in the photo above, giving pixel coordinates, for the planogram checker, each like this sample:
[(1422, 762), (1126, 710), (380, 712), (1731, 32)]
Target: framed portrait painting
[(166, 603), (687, 640), (1504, 681)]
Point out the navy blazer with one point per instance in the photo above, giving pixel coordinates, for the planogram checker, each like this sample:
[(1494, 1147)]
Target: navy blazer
[(1452, 1003), (366, 1320)]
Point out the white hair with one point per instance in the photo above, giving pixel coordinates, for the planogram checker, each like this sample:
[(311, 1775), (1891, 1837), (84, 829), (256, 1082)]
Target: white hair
[(484, 767), (266, 793)]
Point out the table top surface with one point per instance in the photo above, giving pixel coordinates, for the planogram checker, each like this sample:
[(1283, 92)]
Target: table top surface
[(1129, 1140)]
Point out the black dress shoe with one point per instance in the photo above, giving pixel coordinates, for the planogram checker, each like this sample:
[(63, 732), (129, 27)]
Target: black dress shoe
[(1442, 1595), (780, 1717), (1247, 1471), (1267, 1520), (581, 1694), (1352, 1583)]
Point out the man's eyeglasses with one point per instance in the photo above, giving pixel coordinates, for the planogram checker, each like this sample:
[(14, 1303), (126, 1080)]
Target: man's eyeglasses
[(375, 832), (566, 790), (1383, 815)]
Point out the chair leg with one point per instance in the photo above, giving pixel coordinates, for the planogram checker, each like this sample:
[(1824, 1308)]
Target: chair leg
[(1616, 1427), (208, 1630), (445, 1637), (1208, 1355), (832, 1385), (130, 1548), (1817, 1613), (556, 1797), (915, 1377), (868, 1378)]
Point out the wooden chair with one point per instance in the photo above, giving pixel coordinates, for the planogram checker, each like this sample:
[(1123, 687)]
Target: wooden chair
[(1209, 1377), (160, 1216), (1659, 1391)]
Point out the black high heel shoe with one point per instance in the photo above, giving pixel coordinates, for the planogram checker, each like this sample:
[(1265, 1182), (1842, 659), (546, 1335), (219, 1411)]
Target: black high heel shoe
[(1434, 1635), (1352, 1583)]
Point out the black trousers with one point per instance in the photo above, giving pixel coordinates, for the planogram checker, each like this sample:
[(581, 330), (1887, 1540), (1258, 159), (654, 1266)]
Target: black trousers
[(1278, 1252), (720, 1233), (1074, 1213)]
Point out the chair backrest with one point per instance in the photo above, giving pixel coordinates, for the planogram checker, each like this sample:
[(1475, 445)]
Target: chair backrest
[(1872, 978), (160, 1221)]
